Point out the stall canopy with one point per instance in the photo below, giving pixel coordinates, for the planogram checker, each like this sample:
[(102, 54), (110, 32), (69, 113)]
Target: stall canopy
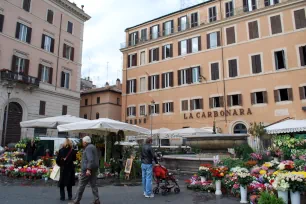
[(188, 132), (51, 122), (287, 126)]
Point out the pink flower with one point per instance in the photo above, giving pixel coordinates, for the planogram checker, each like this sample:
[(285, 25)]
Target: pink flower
[(236, 186)]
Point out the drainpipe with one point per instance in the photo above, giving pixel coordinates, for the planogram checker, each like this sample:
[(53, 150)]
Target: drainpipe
[(58, 50)]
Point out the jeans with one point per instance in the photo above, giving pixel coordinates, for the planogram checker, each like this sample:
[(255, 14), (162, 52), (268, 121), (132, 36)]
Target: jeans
[(84, 180), (147, 178)]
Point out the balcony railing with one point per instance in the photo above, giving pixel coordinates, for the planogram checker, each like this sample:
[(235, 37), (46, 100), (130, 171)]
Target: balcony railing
[(204, 21), (8, 75)]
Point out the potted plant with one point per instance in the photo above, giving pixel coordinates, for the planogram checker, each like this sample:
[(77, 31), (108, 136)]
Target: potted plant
[(296, 186), (281, 185), (204, 171), (244, 179)]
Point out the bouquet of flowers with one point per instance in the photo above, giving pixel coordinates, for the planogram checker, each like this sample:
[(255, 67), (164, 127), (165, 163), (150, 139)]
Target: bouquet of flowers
[(297, 182), (47, 161), (256, 156), (218, 172), (280, 183), (286, 165), (204, 170), (244, 178), (274, 151)]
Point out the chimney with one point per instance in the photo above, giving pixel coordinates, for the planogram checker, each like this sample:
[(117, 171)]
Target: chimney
[(118, 84), (106, 84)]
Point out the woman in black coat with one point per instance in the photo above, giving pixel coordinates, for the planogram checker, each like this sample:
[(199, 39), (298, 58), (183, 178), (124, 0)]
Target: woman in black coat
[(64, 160)]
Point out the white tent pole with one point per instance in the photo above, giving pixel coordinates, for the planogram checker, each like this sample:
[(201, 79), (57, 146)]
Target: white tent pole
[(105, 148)]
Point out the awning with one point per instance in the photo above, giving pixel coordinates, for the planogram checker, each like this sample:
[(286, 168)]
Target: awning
[(287, 126)]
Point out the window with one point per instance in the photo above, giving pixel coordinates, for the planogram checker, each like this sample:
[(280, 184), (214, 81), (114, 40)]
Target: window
[(276, 25), (85, 116), (168, 28), (20, 65), (194, 19), (68, 52), (182, 23), (98, 100), (234, 100), (154, 109), (143, 33), (154, 55), (131, 111), (1, 22), (195, 74), (182, 47), (280, 61), (47, 43), (240, 129), (182, 74), (42, 107), (142, 84), (271, 2), (232, 68), (256, 64), (26, 5), (153, 82), (133, 38), (132, 60), (213, 40), (69, 27), (253, 30), (45, 73), (184, 105), (167, 51), (302, 92), (259, 97), (300, 18), (142, 58), (283, 95), (154, 32), (195, 42), (64, 110), (188, 76), (86, 102), (65, 83), (50, 16), (212, 14), (196, 104), (229, 9), (23, 33), (214, 68), (249, 5), (131, 86), (97, 115), (216, 102), (302, 51), (167, 80), (118, 101), (230, 35), (168, 107), (142, 110)]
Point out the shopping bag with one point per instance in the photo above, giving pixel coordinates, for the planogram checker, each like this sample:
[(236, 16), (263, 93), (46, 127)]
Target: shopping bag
[(55, 174)]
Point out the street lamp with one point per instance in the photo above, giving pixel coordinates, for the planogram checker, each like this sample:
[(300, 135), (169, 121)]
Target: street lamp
[(9, 89)]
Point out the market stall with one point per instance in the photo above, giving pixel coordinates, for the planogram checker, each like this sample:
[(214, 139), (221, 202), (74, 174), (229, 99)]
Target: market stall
[(287, 126)]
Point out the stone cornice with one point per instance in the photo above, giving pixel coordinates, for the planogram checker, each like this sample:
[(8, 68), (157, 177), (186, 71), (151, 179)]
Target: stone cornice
[(72, 8)]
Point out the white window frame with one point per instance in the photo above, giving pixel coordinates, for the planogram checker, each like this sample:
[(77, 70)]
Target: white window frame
[(23, 32), (194, 103), (250, 5), (196, 75), (255, 98), (224, 8), (142, 62), (72, 27), (279, 96), (65, 80), (130, 111), (145, 110), (231, 95), (131, 86), (152, 55), (165, 50), (261, 61), (47, 43), (21, 65), (153, 82), (45, 70), (167, 107), (68, 52), (154, 108), (185, 42), (259, 30), (186, 23), (214, 102), (168, 31), (282, 23), (154, 34), (183, 76), (298, 54), (131, 60), (140, 87), (210, 40), (285, 56), (227, 64), (212, 17), (196, 49), (167, 80), (133, 38)]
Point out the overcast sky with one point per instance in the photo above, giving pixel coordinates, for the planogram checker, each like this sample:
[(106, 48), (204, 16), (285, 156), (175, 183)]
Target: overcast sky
[(105, 31)]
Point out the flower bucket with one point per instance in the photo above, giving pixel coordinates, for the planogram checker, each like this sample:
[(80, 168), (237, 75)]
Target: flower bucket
[(295, 197), (218, 187), (203, 179), (283, 195), (243, 194), (275, 159)]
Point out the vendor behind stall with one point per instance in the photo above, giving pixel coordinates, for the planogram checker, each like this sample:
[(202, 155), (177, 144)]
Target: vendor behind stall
[(30, 150)]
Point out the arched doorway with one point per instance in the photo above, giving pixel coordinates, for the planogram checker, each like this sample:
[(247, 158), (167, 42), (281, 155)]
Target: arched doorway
[(240, 128), (13, 132)]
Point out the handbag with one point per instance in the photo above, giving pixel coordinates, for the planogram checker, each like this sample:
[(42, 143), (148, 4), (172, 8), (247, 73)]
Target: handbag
[(62, 162), (55, 174)]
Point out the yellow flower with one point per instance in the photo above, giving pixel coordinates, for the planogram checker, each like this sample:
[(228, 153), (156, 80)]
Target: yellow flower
[(262, 172), (267, 164), (299, 173)]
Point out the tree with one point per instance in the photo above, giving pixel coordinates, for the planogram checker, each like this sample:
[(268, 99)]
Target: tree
[(258, 131)]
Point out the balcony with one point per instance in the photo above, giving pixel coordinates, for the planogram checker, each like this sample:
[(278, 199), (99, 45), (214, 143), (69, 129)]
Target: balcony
[(206, 20), (7, 75)]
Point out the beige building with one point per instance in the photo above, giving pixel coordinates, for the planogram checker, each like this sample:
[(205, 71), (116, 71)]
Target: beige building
[(102, 102), (41, 58), (231, 61)]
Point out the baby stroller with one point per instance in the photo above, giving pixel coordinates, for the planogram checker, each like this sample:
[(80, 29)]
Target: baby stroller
[(165, 181)]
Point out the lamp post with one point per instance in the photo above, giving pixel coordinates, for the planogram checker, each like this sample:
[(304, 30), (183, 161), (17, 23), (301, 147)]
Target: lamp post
[(9, 89)]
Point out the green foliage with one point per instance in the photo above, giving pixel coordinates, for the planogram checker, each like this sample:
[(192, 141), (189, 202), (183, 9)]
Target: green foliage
[(299, 164), (231, 163), (257, 129), (243, 151), (266, 198)]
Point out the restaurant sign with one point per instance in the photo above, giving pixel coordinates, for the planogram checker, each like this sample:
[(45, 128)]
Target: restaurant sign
[(215, 114)]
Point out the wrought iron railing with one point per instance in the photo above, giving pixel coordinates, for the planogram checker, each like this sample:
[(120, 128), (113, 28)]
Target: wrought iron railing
[(204, 21), (8, 75)]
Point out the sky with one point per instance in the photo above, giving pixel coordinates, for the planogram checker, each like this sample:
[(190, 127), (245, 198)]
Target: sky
[(104, 32)]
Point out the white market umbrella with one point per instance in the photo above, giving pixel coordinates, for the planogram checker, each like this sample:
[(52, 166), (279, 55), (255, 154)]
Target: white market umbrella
[(160, 131), (188, 131), (287, 126), (51, 122), (126, 143)]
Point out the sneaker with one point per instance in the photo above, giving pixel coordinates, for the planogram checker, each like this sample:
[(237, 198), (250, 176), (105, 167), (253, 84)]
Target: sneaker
[(151, 196), (144, 193)]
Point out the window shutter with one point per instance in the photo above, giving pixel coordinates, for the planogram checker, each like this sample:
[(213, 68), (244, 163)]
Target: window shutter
[(253, 98), (134, 110), (171, 79), (199, 43), (179, 24), (230, 35), (211, 101), (72, 54), (157, 108), (240, 99), (40, 67), (1, 22), (189, 75), (135, 86), (149, 83), (255, 29), (137, 38), (192, 20), (254, 5), (136, 60), (253, 58), (235, 68), (163, 52), (201, 103), (130, 40), (229, 102), (172, 26), (179, 77), (13, 67), (149, 109), (151, 33), (251, 30), (17, 30), (29, 34), (276, 95), (221, 100), (276, 26), (163, 80), (127, 87), (218, 39), (157, 82), (127, 111), (302, 94), (179, 48), (189, 46), (230, 68), (299, 16), (150, 56), (43, 41), (208, 41), (42, 108), (163, 107), (26, 70), (290, 94), (52, 45), (64, 50), (128, 61), (157, 54), (50, 75), (50, 16), (267, 2), (171, 50), (245, 6), (191, 105), (164, 30), (158, 31), (63, 79), (265, 96), (302, 55), (258, 63)]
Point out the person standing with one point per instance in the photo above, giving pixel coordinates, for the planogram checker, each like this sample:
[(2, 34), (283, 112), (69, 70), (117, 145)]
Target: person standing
[(89, 168), (30, 149), (147, 157)]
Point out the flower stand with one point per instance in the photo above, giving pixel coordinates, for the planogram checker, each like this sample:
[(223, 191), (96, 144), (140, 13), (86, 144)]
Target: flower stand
[(203, 179), (295, 197), (283, 195), (218, 187), (243, 194)]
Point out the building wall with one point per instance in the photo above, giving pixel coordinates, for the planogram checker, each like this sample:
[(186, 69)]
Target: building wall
[(245, 83)]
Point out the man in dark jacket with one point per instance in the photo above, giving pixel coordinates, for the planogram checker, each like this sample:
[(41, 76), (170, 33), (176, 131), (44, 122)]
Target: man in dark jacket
[(89, 168), (147, 157)]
